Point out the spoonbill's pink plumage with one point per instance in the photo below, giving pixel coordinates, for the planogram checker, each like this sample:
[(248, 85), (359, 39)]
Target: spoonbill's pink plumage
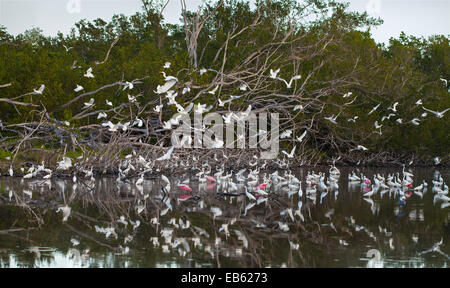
[(184, 197), (184, 187), (262, 186)]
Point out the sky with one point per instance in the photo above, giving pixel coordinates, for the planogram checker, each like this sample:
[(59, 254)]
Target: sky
[(414, 17)]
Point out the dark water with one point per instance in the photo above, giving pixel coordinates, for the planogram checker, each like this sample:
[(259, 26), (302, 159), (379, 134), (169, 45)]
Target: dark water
[(382, 233)]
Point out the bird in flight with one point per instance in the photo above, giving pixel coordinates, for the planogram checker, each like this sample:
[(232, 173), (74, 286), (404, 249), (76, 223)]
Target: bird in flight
[(170, 82), (243, 87), (89, 74), (40, 90), (212, 92), (228, 117), (300, 139), (377, 126), (387, 117), (332, 118), (128, 85), (67, 48), (360, 148), (89, 104), (273, 74), (290, 155), (415, 121), (436, 113), (101, 115), (286, 134), (78, 88), (393, 107), (353, 119), (299, 107), (374, 109), (288, 85), (347, 95), (167, 155)]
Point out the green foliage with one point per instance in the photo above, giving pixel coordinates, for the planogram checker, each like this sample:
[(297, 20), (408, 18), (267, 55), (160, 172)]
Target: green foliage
[(4, 154), (407, 70)]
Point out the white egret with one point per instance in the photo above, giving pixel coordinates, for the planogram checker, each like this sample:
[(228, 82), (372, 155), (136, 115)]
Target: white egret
[(300, 139), (128, 85), (39, 91), (157, 108), (288, 85), (347, 95), (393, 107), (353, 119), (286, 134), (212, 92), (167, 155), (273, 74), (170, 82), (101, 115), (290, 155), (78, 88), (436, 113), (332, 118), (66, 212), (89, 74), (89, 104), (374, 109), (67, 48)]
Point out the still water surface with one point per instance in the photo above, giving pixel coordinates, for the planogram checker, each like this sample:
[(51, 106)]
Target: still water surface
[(340, 228)]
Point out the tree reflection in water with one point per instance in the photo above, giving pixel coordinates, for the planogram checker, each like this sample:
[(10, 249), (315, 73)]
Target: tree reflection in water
[(126, 225)]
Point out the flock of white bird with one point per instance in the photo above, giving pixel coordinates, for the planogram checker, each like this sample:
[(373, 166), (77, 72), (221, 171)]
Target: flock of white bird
[(256, 189), (251, 189), (171, 81)]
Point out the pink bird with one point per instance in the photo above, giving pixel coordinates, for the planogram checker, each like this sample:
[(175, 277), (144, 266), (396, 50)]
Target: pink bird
[(368, 192), (184, 187), (210, 179), (262, 186), (367, 189), (184, 197), (367, 181)]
